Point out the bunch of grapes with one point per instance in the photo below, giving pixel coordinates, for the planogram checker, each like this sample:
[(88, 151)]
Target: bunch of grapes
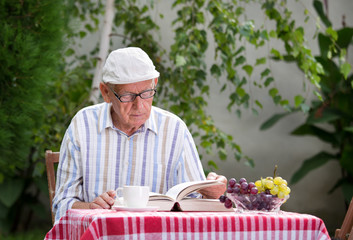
[(275, 186), (265, 194)]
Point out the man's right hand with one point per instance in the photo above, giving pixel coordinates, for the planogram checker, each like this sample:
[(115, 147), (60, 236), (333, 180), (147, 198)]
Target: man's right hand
[(103, 201)]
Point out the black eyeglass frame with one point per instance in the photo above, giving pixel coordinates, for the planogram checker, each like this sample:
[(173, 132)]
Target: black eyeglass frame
[(133, 94)]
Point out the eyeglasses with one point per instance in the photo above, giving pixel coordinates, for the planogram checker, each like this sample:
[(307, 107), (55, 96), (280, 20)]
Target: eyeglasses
[(130, 97)]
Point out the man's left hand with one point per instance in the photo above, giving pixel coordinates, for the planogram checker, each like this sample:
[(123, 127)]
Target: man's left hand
[(214, 192)]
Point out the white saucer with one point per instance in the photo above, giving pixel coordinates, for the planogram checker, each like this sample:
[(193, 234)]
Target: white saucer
[(134, 209)]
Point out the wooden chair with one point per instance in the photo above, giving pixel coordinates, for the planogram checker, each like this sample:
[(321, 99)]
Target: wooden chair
[(346, 230), (51, 158)]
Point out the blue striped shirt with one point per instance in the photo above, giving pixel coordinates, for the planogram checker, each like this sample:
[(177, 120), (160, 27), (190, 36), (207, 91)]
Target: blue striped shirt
[(96, 157)]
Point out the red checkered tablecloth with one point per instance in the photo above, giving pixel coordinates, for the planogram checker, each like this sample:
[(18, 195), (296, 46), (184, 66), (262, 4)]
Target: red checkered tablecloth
[(110, 224)]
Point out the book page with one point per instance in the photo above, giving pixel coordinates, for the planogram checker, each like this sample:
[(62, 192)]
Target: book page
[(181, 190), (158, 196)]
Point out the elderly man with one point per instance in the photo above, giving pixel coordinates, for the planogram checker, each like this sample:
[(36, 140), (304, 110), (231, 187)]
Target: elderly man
[(125, 141)]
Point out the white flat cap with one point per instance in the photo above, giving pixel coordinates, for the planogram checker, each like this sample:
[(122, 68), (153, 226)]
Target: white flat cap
[(128, 65)]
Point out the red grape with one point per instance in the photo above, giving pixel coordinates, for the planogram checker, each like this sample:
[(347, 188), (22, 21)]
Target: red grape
[(222, 198), (254, 190), (244, 185), (228, 203), (241, 180), (251, 185), (232, 182)]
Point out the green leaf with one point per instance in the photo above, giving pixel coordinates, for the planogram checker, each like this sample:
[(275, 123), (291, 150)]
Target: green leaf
[(304, 107), (260, 61), (239, 11), (3, 212), (346, 159), (320, 11), (175, 109), (206, 144), (180, 61), (249, 162), (273, 92), (2, 178), (345, 69), (10, 190), (348, 129), (277, 99), (258, 104), (83, 34), (215, 70), (318, 95), (272, 120), (311, 130), (248, 69), (69, 52), (284, 102), (347, 189), (273, 34), (324, 45), (240, 92), (265, 72), (222, 154), (311, 164), (332, 33), (268, 81), (212, 164), (298, 100), (240, 60), (345, 36), (276, 53)]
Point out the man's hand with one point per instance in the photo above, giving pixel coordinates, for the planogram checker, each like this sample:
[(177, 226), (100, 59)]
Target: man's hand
[(214, 191), (103, 201)]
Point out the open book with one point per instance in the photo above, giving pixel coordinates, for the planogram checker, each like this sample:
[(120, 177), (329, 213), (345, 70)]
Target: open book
[(177, 198)]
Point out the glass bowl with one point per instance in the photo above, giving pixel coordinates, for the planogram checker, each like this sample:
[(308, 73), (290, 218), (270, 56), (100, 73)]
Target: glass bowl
[(256, 202)]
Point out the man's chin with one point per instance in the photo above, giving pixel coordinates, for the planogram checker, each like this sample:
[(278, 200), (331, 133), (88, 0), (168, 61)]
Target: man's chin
[(138, 122)]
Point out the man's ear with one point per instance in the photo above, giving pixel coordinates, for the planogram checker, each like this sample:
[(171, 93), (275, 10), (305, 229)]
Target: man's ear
[(155, 82), (104, 90)]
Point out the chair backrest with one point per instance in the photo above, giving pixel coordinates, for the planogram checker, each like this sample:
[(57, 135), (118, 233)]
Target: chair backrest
[(347, 225), (51, 158)]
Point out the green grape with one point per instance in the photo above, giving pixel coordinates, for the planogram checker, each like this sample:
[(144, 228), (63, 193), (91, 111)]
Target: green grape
[(280, 194), (269, 178), (274, 190), (261, 189), (269, 184), (287, 191), (258, 183), (278, 180), (282, 187)]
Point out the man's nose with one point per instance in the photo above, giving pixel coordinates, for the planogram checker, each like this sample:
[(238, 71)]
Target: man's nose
[(138, 102)]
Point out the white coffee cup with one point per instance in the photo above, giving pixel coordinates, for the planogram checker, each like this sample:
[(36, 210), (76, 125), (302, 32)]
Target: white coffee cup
[(132, 196)]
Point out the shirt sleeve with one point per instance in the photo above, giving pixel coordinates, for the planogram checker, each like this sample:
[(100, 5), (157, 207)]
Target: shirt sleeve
[(68, 188)]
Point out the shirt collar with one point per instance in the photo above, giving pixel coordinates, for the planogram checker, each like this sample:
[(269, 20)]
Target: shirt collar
[(105, 119)]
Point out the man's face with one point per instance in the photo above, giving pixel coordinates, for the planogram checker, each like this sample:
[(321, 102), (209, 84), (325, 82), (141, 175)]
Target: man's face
[(129, 116)]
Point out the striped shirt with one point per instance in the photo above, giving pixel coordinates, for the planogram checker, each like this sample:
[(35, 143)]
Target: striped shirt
[(96, 157)]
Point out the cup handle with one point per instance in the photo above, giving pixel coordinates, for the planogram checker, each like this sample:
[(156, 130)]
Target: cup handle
[(119, 200)]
